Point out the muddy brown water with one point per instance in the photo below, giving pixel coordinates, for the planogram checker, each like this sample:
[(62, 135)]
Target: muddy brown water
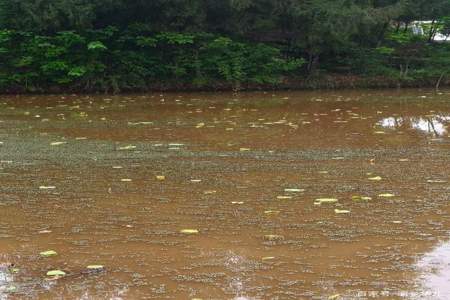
[(114, 181)]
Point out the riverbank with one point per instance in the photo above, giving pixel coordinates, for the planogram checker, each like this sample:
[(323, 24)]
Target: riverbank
[(325, 82)]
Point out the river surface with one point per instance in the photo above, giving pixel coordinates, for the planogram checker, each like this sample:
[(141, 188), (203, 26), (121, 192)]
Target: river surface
[(264, 195)]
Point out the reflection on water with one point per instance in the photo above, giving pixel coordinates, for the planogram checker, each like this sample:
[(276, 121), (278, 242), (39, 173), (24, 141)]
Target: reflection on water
[(6, 280), (435, 272), (436, 125)]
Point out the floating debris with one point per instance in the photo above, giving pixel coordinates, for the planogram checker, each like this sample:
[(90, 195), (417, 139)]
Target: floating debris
[(361, 198), (56, 273), (284, 197), (266, 258), (57, 143), (129, 147), (273, 237), (325, 200), (341, 211), (48, 253), (189, 231), (436, 181), (95, 267), (294, 190), (160, 177), (47, 187), (386, 195), (140, 123)]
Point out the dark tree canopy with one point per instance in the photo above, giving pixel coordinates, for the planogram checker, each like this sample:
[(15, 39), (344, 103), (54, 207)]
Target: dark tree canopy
[(371, 36)]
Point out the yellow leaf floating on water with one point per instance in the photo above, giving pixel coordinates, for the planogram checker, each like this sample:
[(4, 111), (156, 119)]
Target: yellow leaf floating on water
[(273, 237), (244, 149), (140, 123), (379, 132), (376, 178), (95, 267), (129, 147), (361, 198), (341, 211), (237, 202), (292, 190), (267, 258), (161, 177), (55, 273), (125, 180), (272, 212), (47, 187), (325, 200), (189, 231), (284, 197), (48, 253), (386, 195), (200, 125)]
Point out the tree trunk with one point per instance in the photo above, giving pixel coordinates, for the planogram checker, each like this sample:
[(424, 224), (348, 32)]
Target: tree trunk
[(432, 31), (438, 83), (406, 27), (312, 62), (382, 32)]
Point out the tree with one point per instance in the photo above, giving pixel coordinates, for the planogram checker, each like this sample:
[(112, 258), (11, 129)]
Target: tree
[(46, 15)]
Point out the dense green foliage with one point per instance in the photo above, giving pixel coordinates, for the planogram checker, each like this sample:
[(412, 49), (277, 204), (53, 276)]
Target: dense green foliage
[(113, 45), (113, 60)]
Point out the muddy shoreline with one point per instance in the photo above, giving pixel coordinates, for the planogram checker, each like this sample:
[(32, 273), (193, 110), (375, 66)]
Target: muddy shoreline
[(326, 82)]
